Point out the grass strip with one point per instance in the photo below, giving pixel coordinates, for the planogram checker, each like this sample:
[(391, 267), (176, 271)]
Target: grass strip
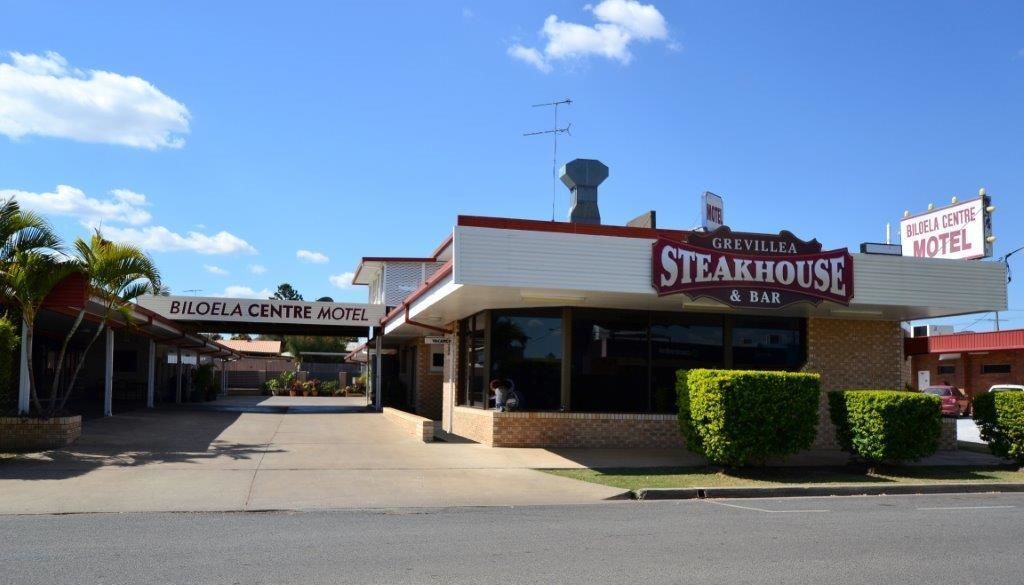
[(682, 477)]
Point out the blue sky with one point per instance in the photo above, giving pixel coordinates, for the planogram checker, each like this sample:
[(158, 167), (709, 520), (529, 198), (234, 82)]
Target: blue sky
[(363, 129)]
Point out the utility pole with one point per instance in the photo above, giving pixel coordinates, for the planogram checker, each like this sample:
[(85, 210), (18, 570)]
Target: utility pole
[(555, 131), (1009, 274)]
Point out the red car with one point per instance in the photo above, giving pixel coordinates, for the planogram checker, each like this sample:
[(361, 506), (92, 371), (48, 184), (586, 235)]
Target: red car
[(954, 401)]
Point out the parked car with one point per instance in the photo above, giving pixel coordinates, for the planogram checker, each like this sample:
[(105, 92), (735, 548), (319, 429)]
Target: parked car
[(954, 401), (1006, 388)]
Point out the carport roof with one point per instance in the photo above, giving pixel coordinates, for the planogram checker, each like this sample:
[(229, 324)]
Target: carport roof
[(70, 297)]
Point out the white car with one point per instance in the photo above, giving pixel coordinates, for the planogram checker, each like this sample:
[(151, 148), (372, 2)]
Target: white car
[(1006, 388)]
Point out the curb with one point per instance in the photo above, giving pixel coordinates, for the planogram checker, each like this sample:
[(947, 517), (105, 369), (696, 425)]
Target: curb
[(697, 493)]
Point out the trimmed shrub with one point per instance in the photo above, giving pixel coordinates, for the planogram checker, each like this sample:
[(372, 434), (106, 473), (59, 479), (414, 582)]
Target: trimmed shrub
[(735, 417), (886, 425), (1000, 415)]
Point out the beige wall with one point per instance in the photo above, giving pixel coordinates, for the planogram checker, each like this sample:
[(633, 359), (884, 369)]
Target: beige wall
[(852, 354)]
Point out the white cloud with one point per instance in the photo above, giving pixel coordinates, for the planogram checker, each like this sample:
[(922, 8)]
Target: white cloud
[(160, 239), (123, 206), (257, 268), (215, 270), (41, 95), (531, 56), (620, 22), (312, 257), (245, 292), (343, 280)]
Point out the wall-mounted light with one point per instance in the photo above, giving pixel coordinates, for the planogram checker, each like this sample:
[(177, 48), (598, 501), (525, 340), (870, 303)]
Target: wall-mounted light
[(990, 209), (906, 213), (982, 192), (931, 206), (990, 239), (954, 199)]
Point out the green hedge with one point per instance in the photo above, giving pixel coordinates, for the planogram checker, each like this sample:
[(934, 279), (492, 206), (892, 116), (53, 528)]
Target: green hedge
[(1000, 415), (734, 417), (886, 425)]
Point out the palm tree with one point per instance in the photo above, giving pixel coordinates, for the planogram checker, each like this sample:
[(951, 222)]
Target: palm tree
[(28, 268), (28, 278), (116, 274), (22, 231)]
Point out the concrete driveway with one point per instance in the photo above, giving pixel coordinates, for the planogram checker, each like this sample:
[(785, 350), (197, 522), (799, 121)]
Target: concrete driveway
[(287, 454)]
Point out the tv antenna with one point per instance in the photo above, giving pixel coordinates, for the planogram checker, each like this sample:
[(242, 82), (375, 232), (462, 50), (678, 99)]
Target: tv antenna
[(554, 132), (194, 291)]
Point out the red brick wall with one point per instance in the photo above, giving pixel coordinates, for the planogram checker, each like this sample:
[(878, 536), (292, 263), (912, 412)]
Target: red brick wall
[(19, 434), (968, 369)]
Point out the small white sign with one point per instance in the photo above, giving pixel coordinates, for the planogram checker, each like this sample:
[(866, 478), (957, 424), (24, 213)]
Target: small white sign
[(957, 232), (436, 340), (712, 211), (924, 379)]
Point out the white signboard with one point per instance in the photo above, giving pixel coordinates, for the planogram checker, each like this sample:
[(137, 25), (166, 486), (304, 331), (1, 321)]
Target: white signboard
[(712, 211), (259, 311), (956, 232), (924, 379), (436, 340)]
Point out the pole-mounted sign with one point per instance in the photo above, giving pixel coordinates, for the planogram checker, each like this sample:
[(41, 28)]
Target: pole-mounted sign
[(712, 211)]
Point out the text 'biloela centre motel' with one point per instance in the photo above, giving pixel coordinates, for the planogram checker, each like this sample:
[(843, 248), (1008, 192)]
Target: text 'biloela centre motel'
[(591, 322)]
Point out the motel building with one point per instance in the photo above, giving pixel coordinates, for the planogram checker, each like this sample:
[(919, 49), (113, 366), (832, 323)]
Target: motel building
[(592, 321)]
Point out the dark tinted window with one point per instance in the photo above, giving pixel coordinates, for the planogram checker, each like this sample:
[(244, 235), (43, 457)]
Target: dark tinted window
[(526, 347), (995, 369), (767, 343), (610, 359)]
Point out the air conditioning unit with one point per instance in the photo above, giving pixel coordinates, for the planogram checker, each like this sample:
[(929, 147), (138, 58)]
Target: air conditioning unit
[(929, 330)]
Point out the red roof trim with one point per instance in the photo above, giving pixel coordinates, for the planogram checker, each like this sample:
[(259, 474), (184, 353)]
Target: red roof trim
[(961, 342), (534, 225)]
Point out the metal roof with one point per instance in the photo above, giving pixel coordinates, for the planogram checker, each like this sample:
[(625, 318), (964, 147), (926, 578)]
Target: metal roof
[(960, 342)]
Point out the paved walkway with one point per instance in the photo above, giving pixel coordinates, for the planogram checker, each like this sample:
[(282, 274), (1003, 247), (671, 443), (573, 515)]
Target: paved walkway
[(282, 454)]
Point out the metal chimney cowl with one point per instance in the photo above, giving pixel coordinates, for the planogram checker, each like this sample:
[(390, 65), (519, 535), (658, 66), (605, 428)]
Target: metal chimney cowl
[(582, 176)]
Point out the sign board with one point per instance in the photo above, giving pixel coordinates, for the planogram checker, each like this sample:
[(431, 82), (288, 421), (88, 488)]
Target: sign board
[(269, 311), (752, 270), (924, 379), (712, 211), (958, 232), (436, 340)]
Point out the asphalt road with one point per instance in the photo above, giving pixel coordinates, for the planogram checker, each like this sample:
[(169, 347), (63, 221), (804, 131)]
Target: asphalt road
[(890, 539)]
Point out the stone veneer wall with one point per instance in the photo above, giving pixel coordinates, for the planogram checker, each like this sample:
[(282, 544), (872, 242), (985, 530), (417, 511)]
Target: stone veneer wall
[(18, 434), (851, 354)]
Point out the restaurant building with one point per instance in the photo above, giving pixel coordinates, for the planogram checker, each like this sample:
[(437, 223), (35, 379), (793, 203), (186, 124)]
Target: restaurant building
[(591, 322)]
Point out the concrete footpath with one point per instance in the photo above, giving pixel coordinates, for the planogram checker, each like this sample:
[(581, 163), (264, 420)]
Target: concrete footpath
[(287, 454)]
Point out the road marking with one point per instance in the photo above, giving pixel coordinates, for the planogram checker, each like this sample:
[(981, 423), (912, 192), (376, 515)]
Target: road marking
[(970, 508), (762, 509)]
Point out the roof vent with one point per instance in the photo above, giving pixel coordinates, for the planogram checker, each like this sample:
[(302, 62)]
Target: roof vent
[(582, 176)]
